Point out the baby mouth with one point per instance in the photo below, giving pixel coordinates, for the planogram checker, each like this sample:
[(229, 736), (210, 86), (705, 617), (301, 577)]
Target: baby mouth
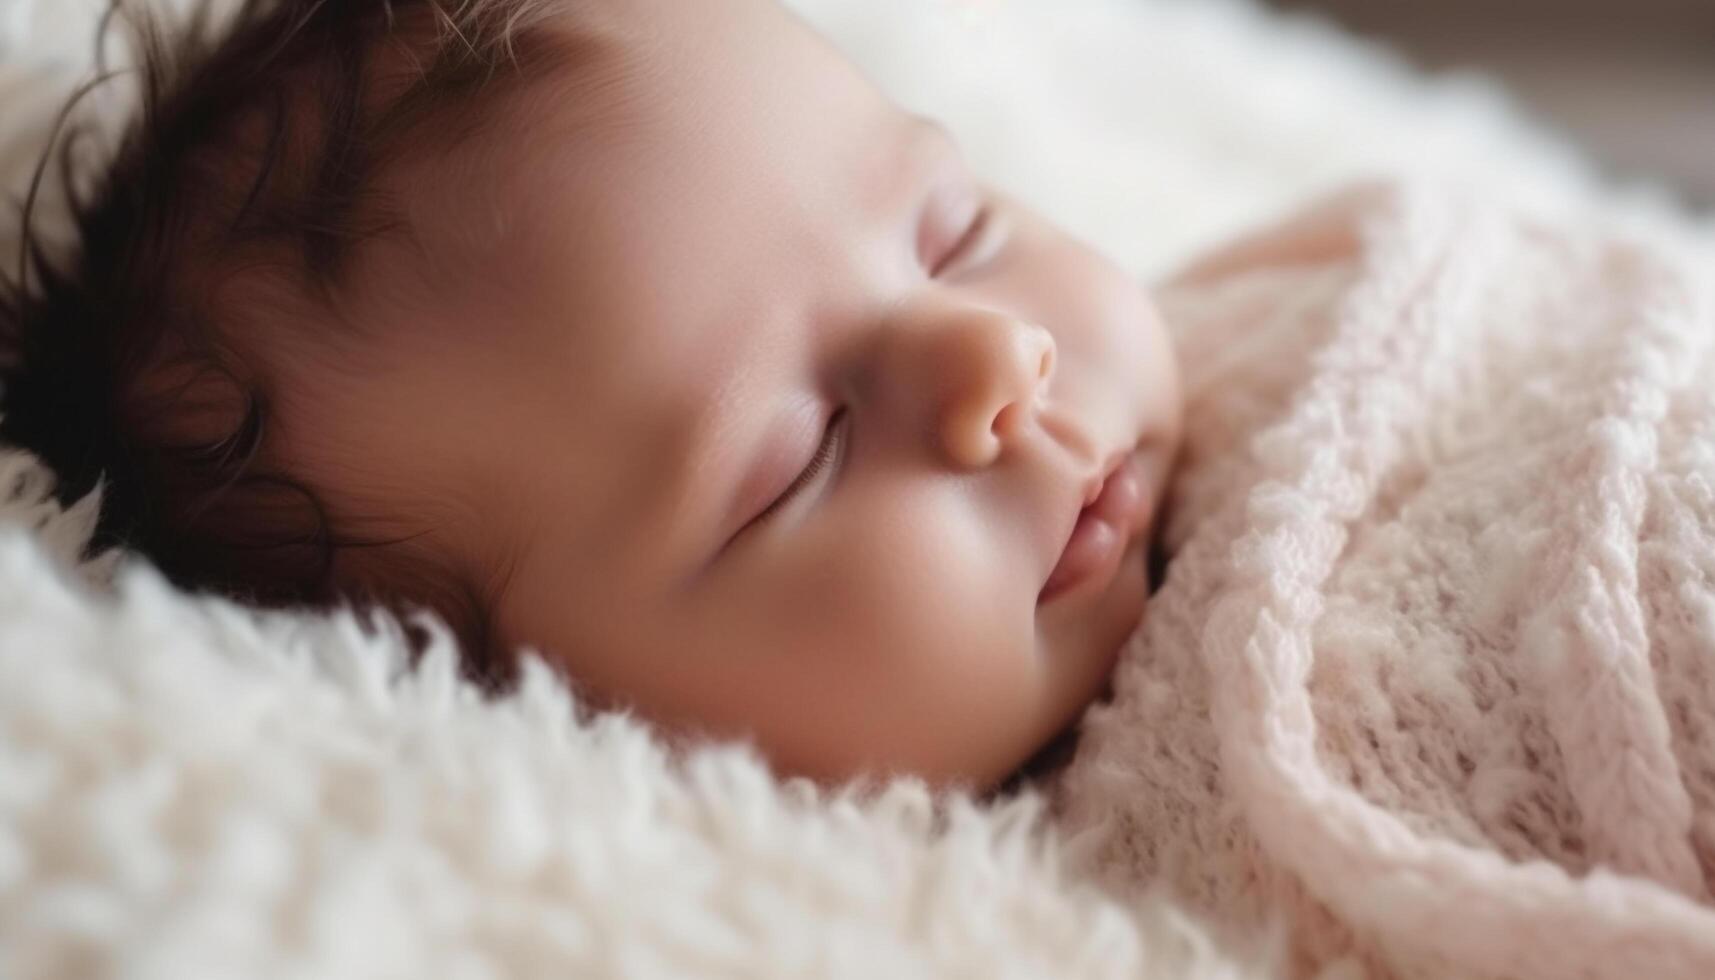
[(1104, 525)]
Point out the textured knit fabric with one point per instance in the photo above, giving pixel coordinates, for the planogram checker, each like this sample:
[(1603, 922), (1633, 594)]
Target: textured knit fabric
[(1433, 665)]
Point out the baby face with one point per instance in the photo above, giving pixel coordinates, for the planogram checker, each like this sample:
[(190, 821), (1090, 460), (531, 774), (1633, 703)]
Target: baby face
[(762, 414)]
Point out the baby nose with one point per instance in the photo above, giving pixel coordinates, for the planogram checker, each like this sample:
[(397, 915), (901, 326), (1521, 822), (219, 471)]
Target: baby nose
[(992, 369)]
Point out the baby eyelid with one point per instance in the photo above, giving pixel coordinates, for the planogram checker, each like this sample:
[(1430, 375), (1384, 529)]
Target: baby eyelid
[(825, 457), (963, 243)]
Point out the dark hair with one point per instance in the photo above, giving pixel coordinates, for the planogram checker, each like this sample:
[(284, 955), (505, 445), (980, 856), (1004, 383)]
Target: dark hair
[(130, 363)]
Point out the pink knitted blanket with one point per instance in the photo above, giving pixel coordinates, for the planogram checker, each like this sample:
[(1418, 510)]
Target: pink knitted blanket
[(1432, 672)]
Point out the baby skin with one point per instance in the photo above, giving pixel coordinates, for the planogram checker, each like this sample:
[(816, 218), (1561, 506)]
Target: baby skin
[(766, 417)]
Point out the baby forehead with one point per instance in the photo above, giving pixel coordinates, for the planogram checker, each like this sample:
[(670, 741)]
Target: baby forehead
[(771, 103), (676, 214), (652, 198)]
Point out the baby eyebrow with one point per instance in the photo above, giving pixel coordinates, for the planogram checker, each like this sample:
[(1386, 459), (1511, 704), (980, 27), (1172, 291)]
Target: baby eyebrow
[(934, 131), (924, 142)]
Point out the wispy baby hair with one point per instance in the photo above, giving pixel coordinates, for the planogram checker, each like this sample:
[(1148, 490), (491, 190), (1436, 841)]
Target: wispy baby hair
[(148, 358)]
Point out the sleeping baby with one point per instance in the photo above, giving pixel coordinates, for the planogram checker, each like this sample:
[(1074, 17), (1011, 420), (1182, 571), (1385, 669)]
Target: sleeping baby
[(650, 336), (645, 334)]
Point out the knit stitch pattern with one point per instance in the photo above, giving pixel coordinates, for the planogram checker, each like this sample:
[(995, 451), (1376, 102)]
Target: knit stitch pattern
[(1433, 666)]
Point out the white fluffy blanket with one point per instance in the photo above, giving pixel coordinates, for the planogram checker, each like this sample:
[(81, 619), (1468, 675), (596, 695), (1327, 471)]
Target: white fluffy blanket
[(1433, 671), (188, 789)]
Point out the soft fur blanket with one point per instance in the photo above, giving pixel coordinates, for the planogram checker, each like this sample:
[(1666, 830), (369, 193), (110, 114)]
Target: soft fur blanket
[(1433, 669), (189, 789)]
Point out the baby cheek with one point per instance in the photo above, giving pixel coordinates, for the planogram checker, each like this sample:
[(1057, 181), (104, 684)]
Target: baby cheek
[(927, 589)]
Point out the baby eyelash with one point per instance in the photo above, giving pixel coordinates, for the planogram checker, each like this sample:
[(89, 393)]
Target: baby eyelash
[(824, 455)]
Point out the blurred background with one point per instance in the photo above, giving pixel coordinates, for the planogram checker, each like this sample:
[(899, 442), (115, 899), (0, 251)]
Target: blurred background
[(1633, 81)]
